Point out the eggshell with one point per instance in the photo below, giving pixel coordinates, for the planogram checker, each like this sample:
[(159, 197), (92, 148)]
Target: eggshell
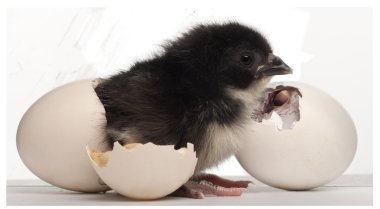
[(316, 150), (53, 134), (146, 171)]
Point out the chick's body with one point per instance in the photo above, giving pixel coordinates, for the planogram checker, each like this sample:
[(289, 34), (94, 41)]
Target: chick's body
[(201, 90)]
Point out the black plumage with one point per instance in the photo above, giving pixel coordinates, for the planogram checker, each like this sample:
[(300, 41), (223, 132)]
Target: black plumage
[(181, 94)]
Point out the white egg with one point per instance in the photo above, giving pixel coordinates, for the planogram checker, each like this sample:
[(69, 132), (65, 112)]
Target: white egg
[(144, 171), (53, 134), (316, 150)]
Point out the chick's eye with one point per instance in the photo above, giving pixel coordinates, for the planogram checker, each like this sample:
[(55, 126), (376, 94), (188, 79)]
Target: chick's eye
[(246, 59)]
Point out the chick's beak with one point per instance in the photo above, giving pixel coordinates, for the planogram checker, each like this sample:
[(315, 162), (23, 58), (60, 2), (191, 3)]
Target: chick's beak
[(274, 66)]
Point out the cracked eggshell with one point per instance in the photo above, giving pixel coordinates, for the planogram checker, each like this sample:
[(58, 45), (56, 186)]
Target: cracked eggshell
[(145, 171), (316, 150), (54, 131)]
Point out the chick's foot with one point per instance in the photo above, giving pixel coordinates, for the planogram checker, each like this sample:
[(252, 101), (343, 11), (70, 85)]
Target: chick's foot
[(219, 181), (203, 184)]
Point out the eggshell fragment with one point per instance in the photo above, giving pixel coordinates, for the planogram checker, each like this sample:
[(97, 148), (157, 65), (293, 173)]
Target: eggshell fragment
[(145, 171), (282, 103), (319, 147)]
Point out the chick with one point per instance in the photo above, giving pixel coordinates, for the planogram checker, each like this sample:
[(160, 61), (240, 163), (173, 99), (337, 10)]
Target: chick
[(201, 89)]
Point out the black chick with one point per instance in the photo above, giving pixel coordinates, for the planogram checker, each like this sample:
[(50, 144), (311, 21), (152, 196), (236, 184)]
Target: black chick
[(201, 89)]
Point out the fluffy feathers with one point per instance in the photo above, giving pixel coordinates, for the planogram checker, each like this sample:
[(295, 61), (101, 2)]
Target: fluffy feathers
[(201, 89)]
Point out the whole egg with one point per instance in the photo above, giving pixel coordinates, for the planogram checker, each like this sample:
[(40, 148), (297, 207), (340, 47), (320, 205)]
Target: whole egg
[(317, 149), (53, 133)]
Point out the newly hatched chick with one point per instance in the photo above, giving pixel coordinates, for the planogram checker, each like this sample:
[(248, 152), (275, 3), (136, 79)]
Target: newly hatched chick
[(202, 89)]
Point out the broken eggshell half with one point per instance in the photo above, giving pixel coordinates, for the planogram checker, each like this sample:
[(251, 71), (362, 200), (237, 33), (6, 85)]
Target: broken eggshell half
[(313, 144), (144, 171)]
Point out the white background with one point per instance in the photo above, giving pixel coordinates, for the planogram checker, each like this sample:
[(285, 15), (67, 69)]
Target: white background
[(329, 48)]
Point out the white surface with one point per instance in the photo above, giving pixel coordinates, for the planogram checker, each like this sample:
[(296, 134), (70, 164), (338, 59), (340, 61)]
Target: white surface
[(346, 190), (49, 47)]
